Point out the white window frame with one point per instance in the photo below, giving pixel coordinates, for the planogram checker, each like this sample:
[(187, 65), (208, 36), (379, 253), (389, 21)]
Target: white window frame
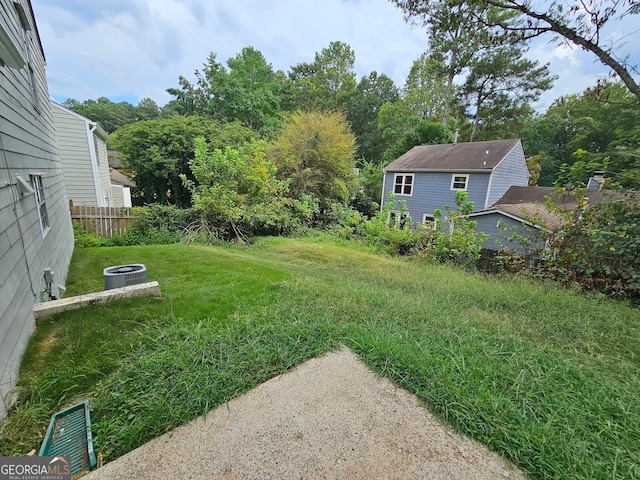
[(454, 181), (10, 56), (41, 203), (404, 184), (398, 218), (31, 76), (431, 219)]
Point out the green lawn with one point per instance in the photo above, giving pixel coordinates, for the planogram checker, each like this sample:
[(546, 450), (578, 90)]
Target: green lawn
[(546, 377)]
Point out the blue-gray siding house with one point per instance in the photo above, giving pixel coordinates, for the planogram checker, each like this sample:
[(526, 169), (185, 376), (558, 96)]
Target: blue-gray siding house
[(428, 177), (522, 212)]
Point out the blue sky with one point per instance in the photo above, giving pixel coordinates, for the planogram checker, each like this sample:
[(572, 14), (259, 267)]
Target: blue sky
[(132, 49)]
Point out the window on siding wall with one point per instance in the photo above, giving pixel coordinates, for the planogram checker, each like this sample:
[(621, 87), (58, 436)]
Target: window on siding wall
[(26, 28), (10, 56), (459, 182), (403, 184), (41, 203), (429, 221), (399, 219)]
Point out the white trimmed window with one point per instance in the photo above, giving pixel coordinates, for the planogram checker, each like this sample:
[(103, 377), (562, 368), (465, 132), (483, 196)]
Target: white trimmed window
[(429, 220), (459, 182), (399, 219), (403, 184), (41, 203), (26, 28)]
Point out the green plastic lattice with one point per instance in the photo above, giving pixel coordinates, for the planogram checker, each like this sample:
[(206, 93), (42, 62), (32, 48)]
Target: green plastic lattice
[(69, 434)]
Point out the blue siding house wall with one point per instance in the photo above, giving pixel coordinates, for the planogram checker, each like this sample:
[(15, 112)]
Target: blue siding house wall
[(433, 191), (511, 170), (500, 228), (428, 177)]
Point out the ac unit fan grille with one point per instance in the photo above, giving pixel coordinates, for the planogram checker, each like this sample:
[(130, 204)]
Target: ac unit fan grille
[(124, 275)]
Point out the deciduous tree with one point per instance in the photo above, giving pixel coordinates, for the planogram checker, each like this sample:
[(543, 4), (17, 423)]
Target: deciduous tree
[(110, 115), (327, 83), (372, 92), (599, 129), (579, 22), (236, 190), (250, 91), (316, 152), (158, 152)]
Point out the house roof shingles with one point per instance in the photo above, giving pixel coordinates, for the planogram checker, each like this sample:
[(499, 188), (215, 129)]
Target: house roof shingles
[(473, 156), (520, 195), (530, 204), (120, 178)]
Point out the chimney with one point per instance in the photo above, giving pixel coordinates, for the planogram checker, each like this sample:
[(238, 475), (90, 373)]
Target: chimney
[(455, 136), (596, 182)]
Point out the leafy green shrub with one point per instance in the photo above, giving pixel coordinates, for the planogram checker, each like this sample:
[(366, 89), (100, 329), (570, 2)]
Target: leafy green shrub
[(85, 238), (452, 239), (136, 236), (394, 232), (343, 222), (599, 249), (156, 225), (165, 218), (237, 193), (456, 239)]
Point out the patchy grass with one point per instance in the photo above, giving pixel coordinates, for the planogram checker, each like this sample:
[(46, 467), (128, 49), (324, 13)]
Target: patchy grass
[(546, 377)]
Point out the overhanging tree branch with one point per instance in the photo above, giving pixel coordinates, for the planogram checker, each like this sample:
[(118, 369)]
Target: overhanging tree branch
[(561, 26)]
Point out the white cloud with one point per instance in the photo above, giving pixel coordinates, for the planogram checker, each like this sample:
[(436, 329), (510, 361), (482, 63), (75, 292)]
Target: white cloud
[(137, 48)]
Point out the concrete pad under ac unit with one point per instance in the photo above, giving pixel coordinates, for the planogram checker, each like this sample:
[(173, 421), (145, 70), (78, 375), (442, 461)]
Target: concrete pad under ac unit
[(47, 309)]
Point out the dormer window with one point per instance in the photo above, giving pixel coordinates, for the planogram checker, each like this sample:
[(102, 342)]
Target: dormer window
[(459, 182), (403, 184)]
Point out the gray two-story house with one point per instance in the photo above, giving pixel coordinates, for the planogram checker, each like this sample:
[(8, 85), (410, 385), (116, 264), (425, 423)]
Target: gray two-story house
[(428, 177), (36, 237)]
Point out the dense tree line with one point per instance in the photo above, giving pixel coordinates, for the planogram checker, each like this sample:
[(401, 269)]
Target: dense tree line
[(258, 151), (474, 82)]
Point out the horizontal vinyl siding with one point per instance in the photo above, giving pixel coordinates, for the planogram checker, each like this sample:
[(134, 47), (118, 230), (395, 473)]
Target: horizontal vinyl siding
[(499, 235), (433, 190), (28, 145), (117, 194), (512, 170), (73, 145)]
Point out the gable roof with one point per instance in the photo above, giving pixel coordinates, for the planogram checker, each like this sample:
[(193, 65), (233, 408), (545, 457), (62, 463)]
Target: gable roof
[(114, 159), (533, 214), (521, 195), (97, 128), (120, 178), (529, 205), (450, 157)]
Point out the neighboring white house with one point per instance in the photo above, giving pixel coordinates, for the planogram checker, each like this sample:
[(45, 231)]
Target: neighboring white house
[(83, 151), (121, 188), (36, 237)]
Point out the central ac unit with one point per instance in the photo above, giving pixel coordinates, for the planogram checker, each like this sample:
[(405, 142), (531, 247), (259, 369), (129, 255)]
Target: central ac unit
[(124, 275)]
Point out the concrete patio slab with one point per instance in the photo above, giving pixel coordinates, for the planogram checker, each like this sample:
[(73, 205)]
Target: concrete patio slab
[(330, 418)]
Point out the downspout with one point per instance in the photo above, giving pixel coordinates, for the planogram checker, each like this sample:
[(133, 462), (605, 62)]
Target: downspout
[(91, 128), (384, 181)]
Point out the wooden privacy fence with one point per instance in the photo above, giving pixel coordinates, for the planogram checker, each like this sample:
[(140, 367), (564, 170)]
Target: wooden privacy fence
[(105, 222)]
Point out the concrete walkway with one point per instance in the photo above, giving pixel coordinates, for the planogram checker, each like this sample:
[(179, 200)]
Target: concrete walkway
[(330, 418)]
